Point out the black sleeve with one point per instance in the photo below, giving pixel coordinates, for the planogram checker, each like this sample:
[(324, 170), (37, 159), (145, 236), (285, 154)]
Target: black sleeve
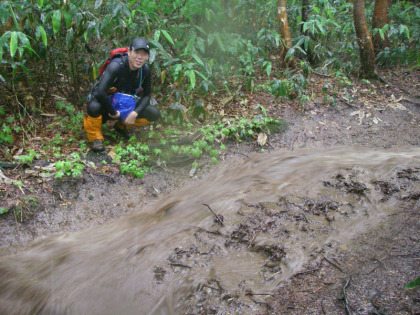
[(147, 91), (105, 83)]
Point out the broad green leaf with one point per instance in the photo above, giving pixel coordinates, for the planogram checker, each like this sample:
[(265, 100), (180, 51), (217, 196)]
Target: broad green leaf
[(201, 75), (40, 3), (413, 284), (69, 37), (56, 21), (189, 46), (13, 43), (67, 18), (168, 37), (290, 54), (24, 40), (381, 33), (161, 49), (157, 35), (404, 29), (191, 75), (12, 13), (219, 42), (198, 60), (268, 69), (43, 35), (4, 38)]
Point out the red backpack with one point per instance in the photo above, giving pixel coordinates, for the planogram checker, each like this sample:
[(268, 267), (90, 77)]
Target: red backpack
[(117, 52)]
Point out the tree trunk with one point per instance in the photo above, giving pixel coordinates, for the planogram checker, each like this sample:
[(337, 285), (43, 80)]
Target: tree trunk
[(364, 40), (305, 17), (380, 18), (305, 13), (284, 32)]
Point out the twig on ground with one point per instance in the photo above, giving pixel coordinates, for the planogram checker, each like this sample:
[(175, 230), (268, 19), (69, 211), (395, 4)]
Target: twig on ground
[(270, 294), (258, 302), (5, 179), (239, 153), (321, 74), (179, 265), (335, 265), (346, 302), (347, 103), (94, 179), (204, 230), (218, 219), (253, 239), (304, 272)]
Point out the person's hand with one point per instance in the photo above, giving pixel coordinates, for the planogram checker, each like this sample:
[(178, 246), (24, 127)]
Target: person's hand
[(116, 116), (131, 118)]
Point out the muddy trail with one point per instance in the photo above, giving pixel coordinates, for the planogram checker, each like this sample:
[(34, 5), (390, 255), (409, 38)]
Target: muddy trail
[(234, 242), (324, 222)]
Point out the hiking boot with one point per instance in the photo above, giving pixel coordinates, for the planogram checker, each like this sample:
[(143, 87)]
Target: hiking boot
[(126, 133), (98, 145)]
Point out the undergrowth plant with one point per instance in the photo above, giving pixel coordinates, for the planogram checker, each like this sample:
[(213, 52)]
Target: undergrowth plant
[(136, 158), (71, 166)]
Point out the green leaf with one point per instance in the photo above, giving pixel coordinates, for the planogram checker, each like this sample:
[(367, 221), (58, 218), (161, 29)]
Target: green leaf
[(56, 21), (40, 3), (157, 35), (3, 210), (381, 33), (67, 18), (69, 38), (268, 69), (13, 43), (191, 75), (189, 46), (412, 284), (24, 40), (220, 42), (168, 37), (43, 35), (198, 60)]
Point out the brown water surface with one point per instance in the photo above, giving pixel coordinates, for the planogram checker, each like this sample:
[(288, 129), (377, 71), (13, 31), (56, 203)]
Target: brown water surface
[(281, 212)]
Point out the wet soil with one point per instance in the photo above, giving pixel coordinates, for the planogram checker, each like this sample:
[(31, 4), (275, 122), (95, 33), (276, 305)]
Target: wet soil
[(367, 275)]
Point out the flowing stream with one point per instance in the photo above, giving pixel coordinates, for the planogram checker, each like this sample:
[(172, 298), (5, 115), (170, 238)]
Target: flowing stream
[(277, 213)]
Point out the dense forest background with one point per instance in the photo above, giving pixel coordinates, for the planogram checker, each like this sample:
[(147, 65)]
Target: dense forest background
[(50, 53)]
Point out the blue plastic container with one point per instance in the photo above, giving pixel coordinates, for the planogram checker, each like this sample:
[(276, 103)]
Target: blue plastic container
[(124, 103)]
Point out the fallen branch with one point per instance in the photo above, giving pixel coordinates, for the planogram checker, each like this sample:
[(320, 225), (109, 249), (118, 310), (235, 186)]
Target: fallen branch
[(304, 272), (218, 219), (321, 74), (346, 302), (204, 230), (347, 103), (179, 265), (5, 179), (333, 264)]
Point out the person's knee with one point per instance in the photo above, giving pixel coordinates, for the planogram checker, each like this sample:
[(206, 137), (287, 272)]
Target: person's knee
[(94, 109), (152, 113)]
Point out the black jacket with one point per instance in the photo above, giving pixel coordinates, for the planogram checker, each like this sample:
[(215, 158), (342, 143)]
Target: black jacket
[(119, 76)]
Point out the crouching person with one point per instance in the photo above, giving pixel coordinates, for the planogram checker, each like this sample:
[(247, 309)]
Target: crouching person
[(122, 93)]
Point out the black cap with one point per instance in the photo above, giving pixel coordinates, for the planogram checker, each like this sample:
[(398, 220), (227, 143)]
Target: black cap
[(140, 43)]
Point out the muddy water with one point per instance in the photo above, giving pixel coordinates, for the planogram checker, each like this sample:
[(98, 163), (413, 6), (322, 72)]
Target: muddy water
[(277, 214)]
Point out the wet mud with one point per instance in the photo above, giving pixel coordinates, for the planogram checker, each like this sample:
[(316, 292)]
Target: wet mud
[(229, 243), (324, 222)]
